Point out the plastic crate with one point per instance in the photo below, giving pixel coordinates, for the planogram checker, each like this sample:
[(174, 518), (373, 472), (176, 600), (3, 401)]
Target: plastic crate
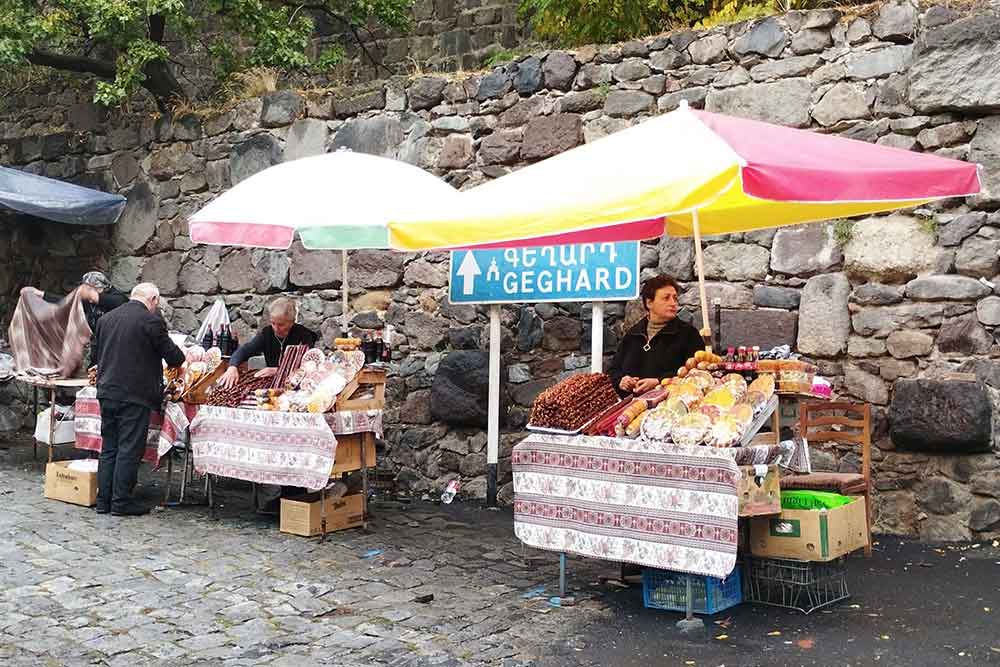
[(792, 584), (663, 589)]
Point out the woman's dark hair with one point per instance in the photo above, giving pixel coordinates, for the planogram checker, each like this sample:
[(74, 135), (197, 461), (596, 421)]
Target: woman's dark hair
[(655, 284)]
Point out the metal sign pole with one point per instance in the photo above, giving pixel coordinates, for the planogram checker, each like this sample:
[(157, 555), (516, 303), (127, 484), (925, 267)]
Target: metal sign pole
[(597, 337), (493, 416)]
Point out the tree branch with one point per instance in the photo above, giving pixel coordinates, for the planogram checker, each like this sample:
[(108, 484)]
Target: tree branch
[(100, 68), (347, 24)]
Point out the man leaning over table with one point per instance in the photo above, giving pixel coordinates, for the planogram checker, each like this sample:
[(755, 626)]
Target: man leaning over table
[(130, 344)]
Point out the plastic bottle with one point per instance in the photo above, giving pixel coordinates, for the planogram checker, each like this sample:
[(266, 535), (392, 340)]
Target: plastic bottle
[(450, 491)]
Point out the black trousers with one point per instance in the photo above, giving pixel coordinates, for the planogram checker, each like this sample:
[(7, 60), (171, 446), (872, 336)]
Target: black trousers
[(124, 429)]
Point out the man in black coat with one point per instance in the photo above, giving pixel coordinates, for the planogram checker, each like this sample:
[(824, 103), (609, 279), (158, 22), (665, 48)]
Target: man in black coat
[(129, 344)]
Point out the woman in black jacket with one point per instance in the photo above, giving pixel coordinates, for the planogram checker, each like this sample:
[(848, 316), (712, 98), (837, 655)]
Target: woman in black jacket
[(658, 345)]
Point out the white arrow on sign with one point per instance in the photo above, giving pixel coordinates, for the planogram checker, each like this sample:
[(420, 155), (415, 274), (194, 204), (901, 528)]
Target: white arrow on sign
[(468, 270)]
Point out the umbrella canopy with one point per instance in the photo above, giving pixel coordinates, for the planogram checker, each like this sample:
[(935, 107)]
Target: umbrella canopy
[(341, 200), (56, 200), (736, 174)]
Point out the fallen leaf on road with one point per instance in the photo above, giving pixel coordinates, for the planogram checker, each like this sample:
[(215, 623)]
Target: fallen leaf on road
[(855, 606), (776, 633), (690, 662), (886, 637), (987, 609), (961, 653), (720, 637), (806, 643)]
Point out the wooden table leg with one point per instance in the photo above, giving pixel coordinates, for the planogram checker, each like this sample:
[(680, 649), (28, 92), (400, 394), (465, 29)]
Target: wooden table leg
[(34, 454), (776, 423), (364, 477), (52, 420)]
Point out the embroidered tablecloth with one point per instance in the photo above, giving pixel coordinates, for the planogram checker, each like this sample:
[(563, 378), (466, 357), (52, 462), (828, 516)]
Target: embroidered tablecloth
[(287, 448), (614, 499), (165, 428)]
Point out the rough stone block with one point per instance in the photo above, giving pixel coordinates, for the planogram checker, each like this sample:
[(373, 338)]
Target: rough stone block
[(942, 416)]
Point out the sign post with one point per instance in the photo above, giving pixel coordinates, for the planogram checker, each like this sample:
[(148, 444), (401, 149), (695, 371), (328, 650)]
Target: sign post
[(595, 272)]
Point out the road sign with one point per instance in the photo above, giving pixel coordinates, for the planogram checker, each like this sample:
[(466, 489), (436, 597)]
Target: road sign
[(584, 272)]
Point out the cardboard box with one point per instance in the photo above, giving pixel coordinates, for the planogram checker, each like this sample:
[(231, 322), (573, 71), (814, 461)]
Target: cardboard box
[(304, 515), (760, 495), (71, 486), (810, 535), (348, 458)]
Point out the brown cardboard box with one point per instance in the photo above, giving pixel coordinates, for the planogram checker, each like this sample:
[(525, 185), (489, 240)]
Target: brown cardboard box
[(811, 535), (303, 515), (759, 499), (71, 486), (348, 457)]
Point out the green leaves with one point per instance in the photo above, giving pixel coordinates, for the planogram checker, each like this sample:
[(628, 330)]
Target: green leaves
[(129, 38), (574, 22)]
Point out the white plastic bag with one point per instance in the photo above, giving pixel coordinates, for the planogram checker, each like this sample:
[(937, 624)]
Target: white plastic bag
[(217, 316)]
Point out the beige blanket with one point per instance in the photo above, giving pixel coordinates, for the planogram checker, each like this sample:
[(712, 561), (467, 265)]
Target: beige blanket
[(49, 338)]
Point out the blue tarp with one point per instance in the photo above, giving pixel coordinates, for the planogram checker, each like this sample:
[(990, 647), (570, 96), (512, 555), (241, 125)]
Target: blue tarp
[(56, 200)]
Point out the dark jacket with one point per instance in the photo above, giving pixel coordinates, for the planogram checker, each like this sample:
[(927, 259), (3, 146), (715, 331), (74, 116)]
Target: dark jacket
[(266, 343), (669, 349), (107, 301), (129, 344)]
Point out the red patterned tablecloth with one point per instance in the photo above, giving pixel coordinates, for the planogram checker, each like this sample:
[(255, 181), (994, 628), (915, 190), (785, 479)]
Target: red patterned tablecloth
[(614, 499), (287, 448), (165, 428)]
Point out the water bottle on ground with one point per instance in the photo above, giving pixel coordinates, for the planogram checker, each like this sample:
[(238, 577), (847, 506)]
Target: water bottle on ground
[(450, 491)]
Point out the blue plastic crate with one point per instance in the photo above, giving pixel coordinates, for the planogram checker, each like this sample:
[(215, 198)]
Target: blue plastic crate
[(663, 589)]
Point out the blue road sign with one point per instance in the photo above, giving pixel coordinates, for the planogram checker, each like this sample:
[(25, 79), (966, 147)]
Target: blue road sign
[(584, 272)]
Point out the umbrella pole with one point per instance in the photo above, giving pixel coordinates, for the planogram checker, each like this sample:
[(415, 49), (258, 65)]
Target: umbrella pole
[(706, 330), (345, 319)]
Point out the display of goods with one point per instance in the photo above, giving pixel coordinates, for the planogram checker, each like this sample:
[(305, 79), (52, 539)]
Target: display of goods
[(656, 424), (245, 385), (725, 432), (737, 382), (604, 423), (702, 379), (212, 358), (690, 429), (290, 360), (654, 397), (702, 360), (767, 366), (346, 362), (631, 413), (821, 387), (723, 397), (742, 413), (756, 400), (195, 353), (632, 429), (713, 412), (570, 404), (689, 394), (764, 384), (347, 343)]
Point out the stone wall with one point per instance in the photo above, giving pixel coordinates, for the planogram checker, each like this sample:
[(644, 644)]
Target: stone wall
[(879, 303), (446, 36)]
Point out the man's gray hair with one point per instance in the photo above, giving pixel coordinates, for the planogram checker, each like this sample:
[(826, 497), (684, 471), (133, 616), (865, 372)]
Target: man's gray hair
[(144, 292), (283, 305)]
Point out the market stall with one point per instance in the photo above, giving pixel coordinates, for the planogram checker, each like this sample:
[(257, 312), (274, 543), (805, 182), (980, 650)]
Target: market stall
[(315, 421)]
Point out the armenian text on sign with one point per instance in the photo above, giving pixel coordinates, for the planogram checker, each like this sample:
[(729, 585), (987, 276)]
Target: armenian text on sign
[(583, 272)]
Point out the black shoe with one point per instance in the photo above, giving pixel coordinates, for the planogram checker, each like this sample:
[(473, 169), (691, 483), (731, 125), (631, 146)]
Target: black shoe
[(100, 509), (130, 510)]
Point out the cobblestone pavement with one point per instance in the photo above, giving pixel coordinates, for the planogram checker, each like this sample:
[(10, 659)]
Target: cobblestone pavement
[(179, 587)]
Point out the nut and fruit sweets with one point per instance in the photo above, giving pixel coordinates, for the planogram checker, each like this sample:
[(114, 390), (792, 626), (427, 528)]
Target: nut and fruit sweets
[(574, 401)]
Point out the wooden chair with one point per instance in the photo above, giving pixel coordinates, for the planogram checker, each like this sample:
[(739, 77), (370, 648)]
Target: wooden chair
[(839, 422)]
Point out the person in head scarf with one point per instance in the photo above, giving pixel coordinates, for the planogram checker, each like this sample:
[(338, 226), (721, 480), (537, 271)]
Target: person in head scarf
[(99, 295)]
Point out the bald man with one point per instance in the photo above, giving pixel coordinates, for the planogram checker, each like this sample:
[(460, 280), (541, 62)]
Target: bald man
[(129, 344)]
